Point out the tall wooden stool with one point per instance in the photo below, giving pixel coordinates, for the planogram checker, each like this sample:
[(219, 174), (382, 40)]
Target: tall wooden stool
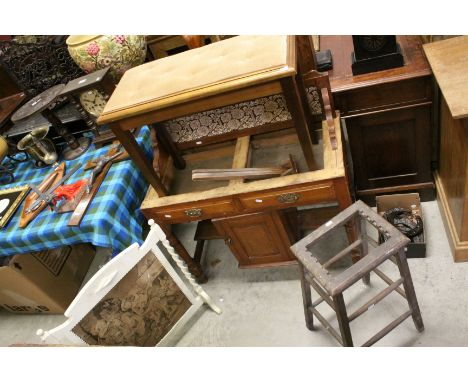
[(331, 287)]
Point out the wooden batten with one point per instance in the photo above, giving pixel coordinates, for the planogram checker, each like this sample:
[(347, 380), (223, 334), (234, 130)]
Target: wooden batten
[(241, 157)]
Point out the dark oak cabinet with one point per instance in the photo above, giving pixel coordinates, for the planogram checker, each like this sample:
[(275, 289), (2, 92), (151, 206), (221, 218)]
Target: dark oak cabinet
[(388, 116)]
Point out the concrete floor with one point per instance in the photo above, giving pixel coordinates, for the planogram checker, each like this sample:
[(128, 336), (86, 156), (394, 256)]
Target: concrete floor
[(263, 307)]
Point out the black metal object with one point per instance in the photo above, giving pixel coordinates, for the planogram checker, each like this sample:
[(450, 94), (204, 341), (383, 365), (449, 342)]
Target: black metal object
[(405, 221), (40, 104), (411, 225), (374, 53), (37, 66), (324, 60), (67, 113)]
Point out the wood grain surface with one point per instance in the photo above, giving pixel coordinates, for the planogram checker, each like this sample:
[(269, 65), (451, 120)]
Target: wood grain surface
[(449, 62)]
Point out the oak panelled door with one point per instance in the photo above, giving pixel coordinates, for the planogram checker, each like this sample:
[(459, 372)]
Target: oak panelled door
[(256, 240)]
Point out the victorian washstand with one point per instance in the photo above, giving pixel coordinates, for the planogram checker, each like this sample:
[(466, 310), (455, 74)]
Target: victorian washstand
[(242, 102)]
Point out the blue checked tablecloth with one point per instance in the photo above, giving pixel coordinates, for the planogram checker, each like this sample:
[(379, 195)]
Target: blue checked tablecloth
[(113, 219)]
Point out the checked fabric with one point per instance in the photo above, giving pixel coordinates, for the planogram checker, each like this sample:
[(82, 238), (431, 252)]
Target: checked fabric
[(113, 219)]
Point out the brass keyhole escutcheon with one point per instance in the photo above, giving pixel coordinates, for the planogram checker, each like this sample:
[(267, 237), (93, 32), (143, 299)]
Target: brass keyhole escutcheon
[(194, 212), (288, 198)]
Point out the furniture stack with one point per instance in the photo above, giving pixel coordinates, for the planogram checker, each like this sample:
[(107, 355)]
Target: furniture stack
[(232, 79)]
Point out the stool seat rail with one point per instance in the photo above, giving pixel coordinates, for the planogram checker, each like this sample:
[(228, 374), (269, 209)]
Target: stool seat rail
[(375, 300)]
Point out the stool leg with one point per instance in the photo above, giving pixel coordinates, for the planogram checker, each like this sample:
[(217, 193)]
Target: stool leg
[(343, 321), (364, 247), (343, 197), (306, 299), (409, 290)]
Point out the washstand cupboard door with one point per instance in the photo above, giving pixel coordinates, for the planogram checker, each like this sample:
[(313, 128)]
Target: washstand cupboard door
[(257, 240), (391, 148)]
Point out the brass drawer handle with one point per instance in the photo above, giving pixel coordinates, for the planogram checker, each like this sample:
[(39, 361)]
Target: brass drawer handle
[(288, 198), (194, 212)]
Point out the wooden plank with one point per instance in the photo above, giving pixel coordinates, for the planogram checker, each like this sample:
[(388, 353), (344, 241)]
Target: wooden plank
[(237, 173), (387, 329), (241, 156), (375, 300)]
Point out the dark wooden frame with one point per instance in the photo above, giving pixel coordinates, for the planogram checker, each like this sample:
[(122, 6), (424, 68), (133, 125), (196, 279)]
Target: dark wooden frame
[(331, 288)]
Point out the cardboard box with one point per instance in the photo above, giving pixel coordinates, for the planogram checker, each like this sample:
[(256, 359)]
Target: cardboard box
[(412, 203), (46, 281)]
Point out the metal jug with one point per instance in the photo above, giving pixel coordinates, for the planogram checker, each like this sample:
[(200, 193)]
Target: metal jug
[(39, 147)]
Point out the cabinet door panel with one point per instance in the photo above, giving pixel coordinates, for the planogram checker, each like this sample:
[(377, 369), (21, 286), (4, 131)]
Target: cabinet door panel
[(391, 148), (258, 239)]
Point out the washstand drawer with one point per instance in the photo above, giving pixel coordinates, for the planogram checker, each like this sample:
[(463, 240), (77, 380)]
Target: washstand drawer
[(196, 211), (290, 197)]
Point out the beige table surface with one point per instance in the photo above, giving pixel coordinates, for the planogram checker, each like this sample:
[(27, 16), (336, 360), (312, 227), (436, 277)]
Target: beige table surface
[(449, 63), (226, 65)]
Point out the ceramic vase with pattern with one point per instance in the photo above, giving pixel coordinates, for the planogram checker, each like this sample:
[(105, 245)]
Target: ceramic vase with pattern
[(120, 52)]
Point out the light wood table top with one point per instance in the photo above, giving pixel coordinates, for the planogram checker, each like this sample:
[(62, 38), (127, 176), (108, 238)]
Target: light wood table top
[(449, 62), (227, 65)]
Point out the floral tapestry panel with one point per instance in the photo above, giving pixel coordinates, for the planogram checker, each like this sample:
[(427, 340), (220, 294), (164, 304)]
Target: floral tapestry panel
[(139, 311), (240, 116)]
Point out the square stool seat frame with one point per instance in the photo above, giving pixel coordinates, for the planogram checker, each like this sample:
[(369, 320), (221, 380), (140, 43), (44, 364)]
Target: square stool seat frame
[(331, 287)]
